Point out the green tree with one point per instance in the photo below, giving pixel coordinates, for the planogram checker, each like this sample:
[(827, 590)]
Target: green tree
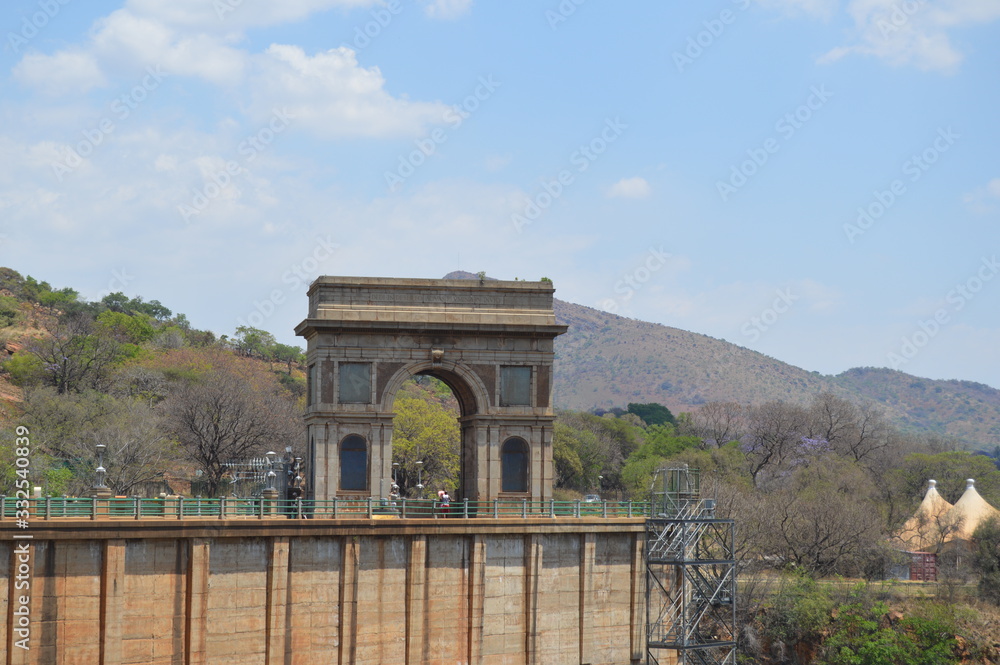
[(950, 470), (288, 354), (254, 343), (986, 559), (427, 432), (125, 328), (652, 413)]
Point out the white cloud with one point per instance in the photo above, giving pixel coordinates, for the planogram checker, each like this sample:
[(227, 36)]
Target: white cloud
[(233, 15), (821, 8), (630, 188), (913, 33), (447, 9), (984, 199), (64, 72), (330, 95)]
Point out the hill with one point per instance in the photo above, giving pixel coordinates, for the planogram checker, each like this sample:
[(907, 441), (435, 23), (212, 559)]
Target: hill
[(605, 360)]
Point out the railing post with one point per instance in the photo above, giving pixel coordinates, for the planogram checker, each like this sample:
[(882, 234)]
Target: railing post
[(465, 508), (335, 507), (298, 507), (369, 507), (180, 507), (576, 509), (524, 509), (138, 506), (93, 508), (222, 507), (604, 509), (552, 508), (496, 508), (630, 508), (404, 509), (48, 507), (3, 507)]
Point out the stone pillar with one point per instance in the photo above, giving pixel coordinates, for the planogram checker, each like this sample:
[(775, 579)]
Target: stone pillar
[(532, 570), (277, 601), (588, 554), (197, 602), (349, 600), (477, 598), (416, 590), (638, 610), (112, 601)]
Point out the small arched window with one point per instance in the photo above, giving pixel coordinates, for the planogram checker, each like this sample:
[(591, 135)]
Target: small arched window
[(353, 463), (514, 459)]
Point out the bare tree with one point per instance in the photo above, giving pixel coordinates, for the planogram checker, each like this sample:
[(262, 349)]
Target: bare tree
[(774, 432), (234, 412), (718, 423), (68, 427), (75, 354), (856, 432), (826, 519), (139, 448)]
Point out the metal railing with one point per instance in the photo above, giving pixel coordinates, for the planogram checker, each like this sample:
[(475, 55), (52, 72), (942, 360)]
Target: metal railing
[(180, 508)]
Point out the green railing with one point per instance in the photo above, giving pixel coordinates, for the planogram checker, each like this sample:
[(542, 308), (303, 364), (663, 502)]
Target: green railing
[(11, 509)]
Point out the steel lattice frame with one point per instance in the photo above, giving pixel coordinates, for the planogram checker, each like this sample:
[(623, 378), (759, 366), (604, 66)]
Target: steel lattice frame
[(691, 588)]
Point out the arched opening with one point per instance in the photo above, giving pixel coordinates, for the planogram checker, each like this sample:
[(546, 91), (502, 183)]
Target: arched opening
[(354, 463), (514, 465), (426, 438)]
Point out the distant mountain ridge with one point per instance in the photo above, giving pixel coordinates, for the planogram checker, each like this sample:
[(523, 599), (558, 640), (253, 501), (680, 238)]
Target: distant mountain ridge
[(607, 360)]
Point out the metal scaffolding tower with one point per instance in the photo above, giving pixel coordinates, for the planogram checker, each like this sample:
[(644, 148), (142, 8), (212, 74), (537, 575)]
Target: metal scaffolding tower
[(690, 575)]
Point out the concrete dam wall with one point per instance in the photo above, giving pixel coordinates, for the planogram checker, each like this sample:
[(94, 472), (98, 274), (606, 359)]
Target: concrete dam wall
[(303, 592)]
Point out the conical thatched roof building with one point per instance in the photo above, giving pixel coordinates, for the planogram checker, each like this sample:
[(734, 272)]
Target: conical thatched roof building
[(923, 532), (968, 512)]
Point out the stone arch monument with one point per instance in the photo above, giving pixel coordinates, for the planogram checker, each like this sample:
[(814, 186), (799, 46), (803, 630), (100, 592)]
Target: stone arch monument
[(491, 342)]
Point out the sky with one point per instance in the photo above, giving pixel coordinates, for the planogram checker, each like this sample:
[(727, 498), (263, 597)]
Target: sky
[(816, 180)]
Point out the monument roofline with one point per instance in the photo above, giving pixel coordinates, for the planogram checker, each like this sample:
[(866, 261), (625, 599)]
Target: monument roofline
[(423, 283)]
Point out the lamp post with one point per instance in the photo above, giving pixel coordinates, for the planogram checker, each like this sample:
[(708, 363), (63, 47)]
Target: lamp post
[(270, 492), (100, 490), (420, 484)]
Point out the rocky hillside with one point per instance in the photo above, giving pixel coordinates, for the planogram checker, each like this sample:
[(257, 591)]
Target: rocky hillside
[(606, 360)]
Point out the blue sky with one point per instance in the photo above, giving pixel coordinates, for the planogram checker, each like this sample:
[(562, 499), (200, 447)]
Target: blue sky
[(813, 179)]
